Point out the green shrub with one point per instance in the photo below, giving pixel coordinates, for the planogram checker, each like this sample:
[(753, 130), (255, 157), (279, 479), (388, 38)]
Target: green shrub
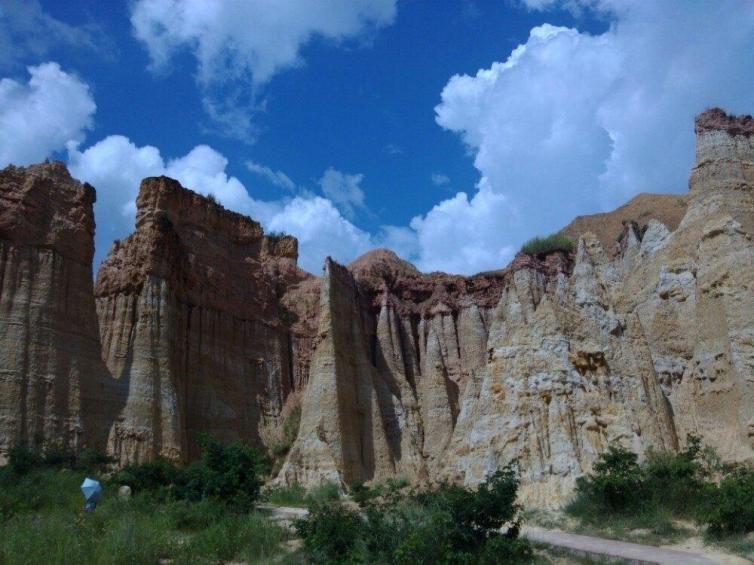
[(227, 473), (616, 485), (23, 457), (450, 524), (290, 431), (539, 246), (362, 494), (292, 495), (326, 492), (330, 532), (728, 508), (291, 425)]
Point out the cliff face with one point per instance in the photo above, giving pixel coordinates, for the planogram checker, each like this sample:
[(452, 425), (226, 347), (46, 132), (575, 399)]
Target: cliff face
[(201, 323), (50, 370), (194, 328), (549, 360)]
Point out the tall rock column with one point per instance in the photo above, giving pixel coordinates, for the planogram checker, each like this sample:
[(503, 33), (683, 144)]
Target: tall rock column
[(194, 326), (52, 381), (343, 435)]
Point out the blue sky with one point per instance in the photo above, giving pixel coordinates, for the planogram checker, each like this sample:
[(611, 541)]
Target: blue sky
[(450, 131)]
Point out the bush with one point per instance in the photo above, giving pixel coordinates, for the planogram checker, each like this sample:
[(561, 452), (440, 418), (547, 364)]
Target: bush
[(296, 495), (290, 431), (227, 473), (677, 481), (728, 508), (617, 481), (330, 532), (539, 246), (621, 494), (448, 524), (22, 458)]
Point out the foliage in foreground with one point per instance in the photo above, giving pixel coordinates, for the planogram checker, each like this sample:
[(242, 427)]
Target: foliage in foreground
[(42, 521), (539, 246), (24, 457), (664, 488), (451, 524), (297, 496), (226, 473)]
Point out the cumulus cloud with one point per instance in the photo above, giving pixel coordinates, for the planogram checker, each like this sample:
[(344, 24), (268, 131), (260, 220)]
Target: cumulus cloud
[(571, 122), (277, 178), (321, 231), (344, 190), (115, 166), (246, 43), (39, 117), (28, 32)]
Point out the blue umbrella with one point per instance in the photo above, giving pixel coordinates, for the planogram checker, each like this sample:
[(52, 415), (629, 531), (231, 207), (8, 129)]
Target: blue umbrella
[(92, 493)]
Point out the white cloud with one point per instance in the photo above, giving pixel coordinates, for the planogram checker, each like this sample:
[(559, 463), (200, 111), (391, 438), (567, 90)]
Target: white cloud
[(462, 235), (28, 32), (321, 231), (115, 166), (572, 122), (238, 44), (277, 178), (344, 190), (41, 116), (439, 179)]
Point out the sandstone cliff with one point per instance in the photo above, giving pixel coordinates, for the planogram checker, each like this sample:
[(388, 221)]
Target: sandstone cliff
[(200, 323), (548, 361), (51, 376), (194, 326)]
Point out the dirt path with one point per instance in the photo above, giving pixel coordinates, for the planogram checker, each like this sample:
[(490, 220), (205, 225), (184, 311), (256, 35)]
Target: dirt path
[(577, 544), (607, 548)]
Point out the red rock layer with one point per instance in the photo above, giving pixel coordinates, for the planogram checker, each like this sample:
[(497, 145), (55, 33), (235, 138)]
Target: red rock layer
[(51, 375), (194, 323)]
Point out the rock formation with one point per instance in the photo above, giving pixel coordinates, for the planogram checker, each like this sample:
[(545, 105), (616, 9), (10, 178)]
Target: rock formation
[(194, 327), (206, 325), (549, 360), (50, 368)]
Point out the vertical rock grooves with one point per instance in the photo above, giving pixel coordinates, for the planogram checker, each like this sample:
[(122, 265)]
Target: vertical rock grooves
[(206, 325), (51, 375), (194, 326), (549, 360)]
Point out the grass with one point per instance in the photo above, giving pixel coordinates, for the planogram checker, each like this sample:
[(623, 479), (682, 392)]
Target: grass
[(42, 521), (297, 496), (539, 246)]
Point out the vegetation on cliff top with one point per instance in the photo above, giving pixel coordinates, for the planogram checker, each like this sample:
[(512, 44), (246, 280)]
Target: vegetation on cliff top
[(539, 246)]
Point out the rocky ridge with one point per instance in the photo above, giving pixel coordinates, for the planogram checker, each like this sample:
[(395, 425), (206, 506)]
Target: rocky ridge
[(642, 344), (206, 325)]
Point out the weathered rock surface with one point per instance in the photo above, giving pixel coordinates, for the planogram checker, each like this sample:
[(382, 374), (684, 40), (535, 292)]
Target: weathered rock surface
[(194, 326), (548, 361), (668, 209), (50, 369), (206, 325)]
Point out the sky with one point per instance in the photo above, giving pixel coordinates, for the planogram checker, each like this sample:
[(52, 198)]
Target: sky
[(449, 131)]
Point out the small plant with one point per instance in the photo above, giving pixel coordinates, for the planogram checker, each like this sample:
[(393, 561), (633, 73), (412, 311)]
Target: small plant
[(540, 246), (617, 481), (277, 234)]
